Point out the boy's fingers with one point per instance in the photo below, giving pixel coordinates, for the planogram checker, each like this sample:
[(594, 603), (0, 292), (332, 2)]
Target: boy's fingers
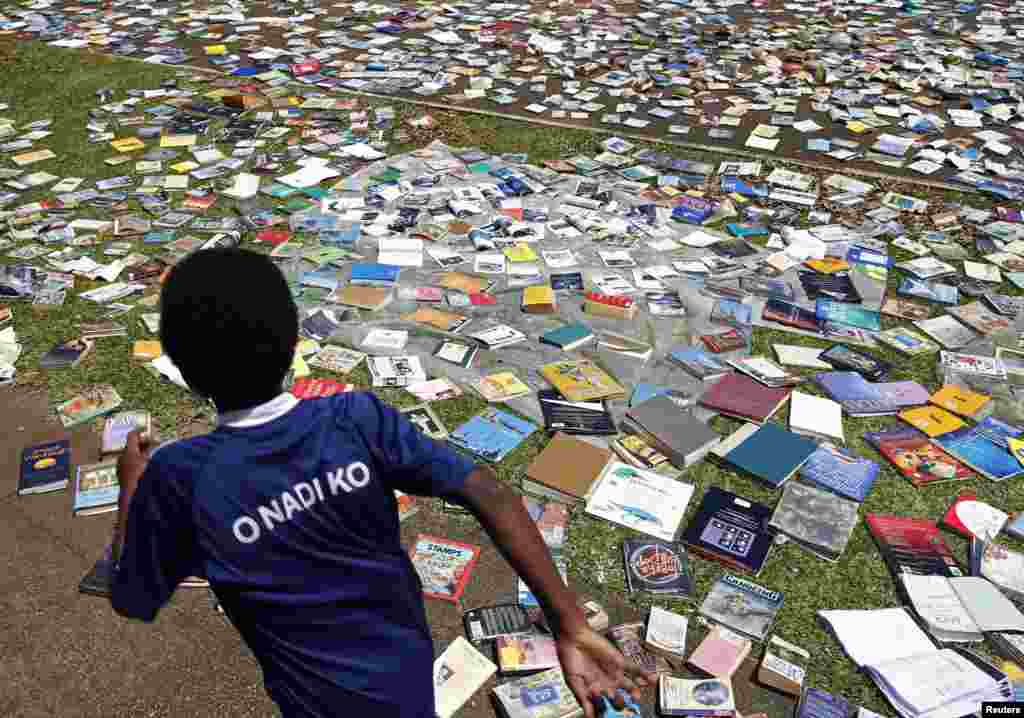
[(582, 694)]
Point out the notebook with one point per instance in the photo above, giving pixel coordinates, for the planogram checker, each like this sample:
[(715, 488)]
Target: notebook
[(767, 452)]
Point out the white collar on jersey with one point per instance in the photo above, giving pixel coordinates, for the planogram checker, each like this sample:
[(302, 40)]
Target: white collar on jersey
[(260, 414)]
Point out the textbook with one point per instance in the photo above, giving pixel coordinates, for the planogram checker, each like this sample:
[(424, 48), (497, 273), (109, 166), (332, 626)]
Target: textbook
[(962, 401), (742, 397), (581, 380), (931, 420), (818, 520), (742, 606), (657, 567), (96, 489), (766, 452), (492, 434), (841, 472), (565, 469), (459, 672), (641, 500), (730, 529), (443, 565), (45, 467)]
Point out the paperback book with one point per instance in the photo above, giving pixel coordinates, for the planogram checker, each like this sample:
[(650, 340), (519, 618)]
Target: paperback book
[(443, 565), (730, 529), (818, 520), (642, 500), (841, 472), (742, 606), (492, 434), (45, 467), (916, 457), (657, 567), (96, 489)]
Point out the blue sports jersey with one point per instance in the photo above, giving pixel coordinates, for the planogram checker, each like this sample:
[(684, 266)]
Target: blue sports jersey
[(290, 512)]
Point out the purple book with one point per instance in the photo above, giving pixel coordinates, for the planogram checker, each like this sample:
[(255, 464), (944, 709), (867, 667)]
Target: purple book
[(859, 397)]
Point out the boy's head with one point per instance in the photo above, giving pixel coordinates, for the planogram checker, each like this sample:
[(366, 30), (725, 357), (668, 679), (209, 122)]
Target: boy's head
[(229, 323)]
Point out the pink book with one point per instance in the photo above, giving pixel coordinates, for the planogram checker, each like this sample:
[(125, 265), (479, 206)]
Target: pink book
[(720, 653)]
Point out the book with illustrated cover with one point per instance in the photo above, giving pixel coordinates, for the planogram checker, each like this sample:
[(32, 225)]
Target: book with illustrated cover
[(500, 335), (407, 505), (931, 291), (818, 520), (575, 417), (502, 386), (96, 489), (840, 472), (828, 310), (721, 652), (641, 500), (816, 703), (844, 358), (66, 354), (905, 309), (629, 639), (657, 567), (979, 318), (742, 606), (971, 365), (492, 434), (523, 654), (706, 698), (88, 404), (984, 448), (636, 450), (456, 352), (730, 529), (339, 360), (911, 546), (45, 467), (765, 371), (784, 666), (947, 331), (698, 363), (859, 397), (907, 341), (308, 388), (396, 370), (581, 380), (424, 418), (439, 319), (459, 672), (117, 427), (443, 565), (542, 695), (916, 457)]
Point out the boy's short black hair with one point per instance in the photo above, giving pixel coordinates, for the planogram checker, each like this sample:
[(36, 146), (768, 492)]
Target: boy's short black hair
[(229, 323)]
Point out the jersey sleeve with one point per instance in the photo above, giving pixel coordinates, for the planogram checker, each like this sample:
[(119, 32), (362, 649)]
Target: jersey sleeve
[(407, 459), (159, 547)]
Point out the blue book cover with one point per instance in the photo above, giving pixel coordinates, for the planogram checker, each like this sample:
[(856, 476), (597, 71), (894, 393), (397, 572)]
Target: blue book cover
[(816, 703), (492, 434), (729, 311), (853, 315), (840, 472), (932, 291), (983, 448), (373, 272), (96, 488), (860, 255), (567, 336), (643, 391), (859, 397), (1015, 526), (699, 363), (45, 467), (770, 452)]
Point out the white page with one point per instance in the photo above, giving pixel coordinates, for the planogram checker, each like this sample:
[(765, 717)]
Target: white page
[(878, 636), (935, 601), (928, 682), (990, 608)]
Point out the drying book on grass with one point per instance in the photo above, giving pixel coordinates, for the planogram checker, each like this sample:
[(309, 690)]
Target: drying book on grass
[(666, 634), (657, 567), (581, 380), (911, 546), (741, 397), (816, 519), (742, 606), (459, 672), (443, 565), (730, 529), (841, 472), (705, 698), (721, 652), (543, 695), (565, 469), (642, 500), (916, 457), (984, 448), (767, 452), (492, 434)]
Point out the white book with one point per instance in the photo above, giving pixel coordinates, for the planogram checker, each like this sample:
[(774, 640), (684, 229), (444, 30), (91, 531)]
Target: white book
[(793, 355), (641, 500), (396, 370), (386, 339), (815, 416), (400, 251), (666, 633), (961, 608), (459, 672), (499, 336)]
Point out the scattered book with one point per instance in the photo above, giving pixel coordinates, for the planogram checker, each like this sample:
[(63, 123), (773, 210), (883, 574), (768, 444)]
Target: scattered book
[(90, 403), (794, 355), (96, 489), (979, 318), (99, 581), (565, 469), (983, 447), (675, 432), (841, 472), (542, 695), (860, 398), (66, 354), (721, 653), (962, 401), (818, 520), (635, 450), (501, 386), (907, 341), (698, 363), (568, 337), (45, 467), (910, 545), (765, 371), (498, 336), (443, 565), (424, 419), (102, 330), (931, 420), (731, 530), (386, 339), (456, 352), (641, 500), (459, 672), (628, 638), (489, 622), (492, 434), (539, 299), (525, 654), (117, 427), (394, 371), (657, 567), (362, 297), (816, 703), (743, 606), (705, 698), (961, 609), (767, 452), (666, 634), (784, 666), (741, 397), (575, 417), (947, 331), (816, 417), (581, 380), (339, 360), (844, 358)]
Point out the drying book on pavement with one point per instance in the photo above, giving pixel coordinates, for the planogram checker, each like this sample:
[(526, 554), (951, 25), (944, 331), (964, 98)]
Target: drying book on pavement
[(96, 489), (565, 469), (392, 371), (443, 565), (742, 606), (642, 500), (730, 529), (459, 672), (568, 337), (45, 467), (767, 452), (816, 519), (542, 695), (657, 567)]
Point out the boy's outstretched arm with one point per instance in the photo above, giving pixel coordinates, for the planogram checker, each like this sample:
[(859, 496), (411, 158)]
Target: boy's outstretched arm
[(593, 667)]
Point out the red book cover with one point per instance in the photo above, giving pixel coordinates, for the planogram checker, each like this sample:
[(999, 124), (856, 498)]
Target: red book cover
[(444, 566), (951, 518), (913, 546), (741, 396), (308, 388), (921, 461)]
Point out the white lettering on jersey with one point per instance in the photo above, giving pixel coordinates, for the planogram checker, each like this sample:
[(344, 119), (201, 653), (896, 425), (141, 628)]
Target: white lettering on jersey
[(346, 479)]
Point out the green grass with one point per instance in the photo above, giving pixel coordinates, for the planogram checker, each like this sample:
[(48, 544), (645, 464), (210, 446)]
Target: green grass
[(41, 83)]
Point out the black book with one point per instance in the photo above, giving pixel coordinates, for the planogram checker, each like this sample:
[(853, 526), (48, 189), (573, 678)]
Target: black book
[(731, 530), (490, 622), (100, 579), (657, 567), (575, 417)]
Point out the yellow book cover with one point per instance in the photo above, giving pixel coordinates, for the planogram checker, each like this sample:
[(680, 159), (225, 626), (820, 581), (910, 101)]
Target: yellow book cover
[(520, 252), (147, 349), (128, 144), (932, 420), (445, 321), (501, 386), (463, 282), (538, 294), (828, 265), (960, 400), (178, 140), (581, 380)]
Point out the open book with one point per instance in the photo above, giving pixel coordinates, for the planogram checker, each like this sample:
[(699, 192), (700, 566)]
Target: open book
[(919, 680), (961, 609)]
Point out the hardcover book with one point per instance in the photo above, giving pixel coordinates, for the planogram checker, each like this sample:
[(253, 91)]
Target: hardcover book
[(568, 337), (443, 565), (730, 529), (45, 467), (657, 567), (742, 606), (818, 520), (741, 397), (767, 452), (840, 472), (565, 469), (675, 432)]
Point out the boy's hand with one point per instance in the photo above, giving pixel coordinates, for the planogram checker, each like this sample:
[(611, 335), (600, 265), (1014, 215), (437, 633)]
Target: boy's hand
[(593, 668), (131, 464)]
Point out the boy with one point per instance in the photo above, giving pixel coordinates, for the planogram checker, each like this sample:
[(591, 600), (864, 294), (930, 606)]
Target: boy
[(288, 509)]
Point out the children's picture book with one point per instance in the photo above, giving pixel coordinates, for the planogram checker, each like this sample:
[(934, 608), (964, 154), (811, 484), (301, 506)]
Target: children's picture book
[(524, 654), (45, 467), (642, 500), (96, 489), (91, 402), (581, 380), (730, 529), (424, 419), (840, 471), (443, 565), (117, 427), (501, 386), (492, 434), (984, 448), (742, 606), (916, 457), (657, 567)]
